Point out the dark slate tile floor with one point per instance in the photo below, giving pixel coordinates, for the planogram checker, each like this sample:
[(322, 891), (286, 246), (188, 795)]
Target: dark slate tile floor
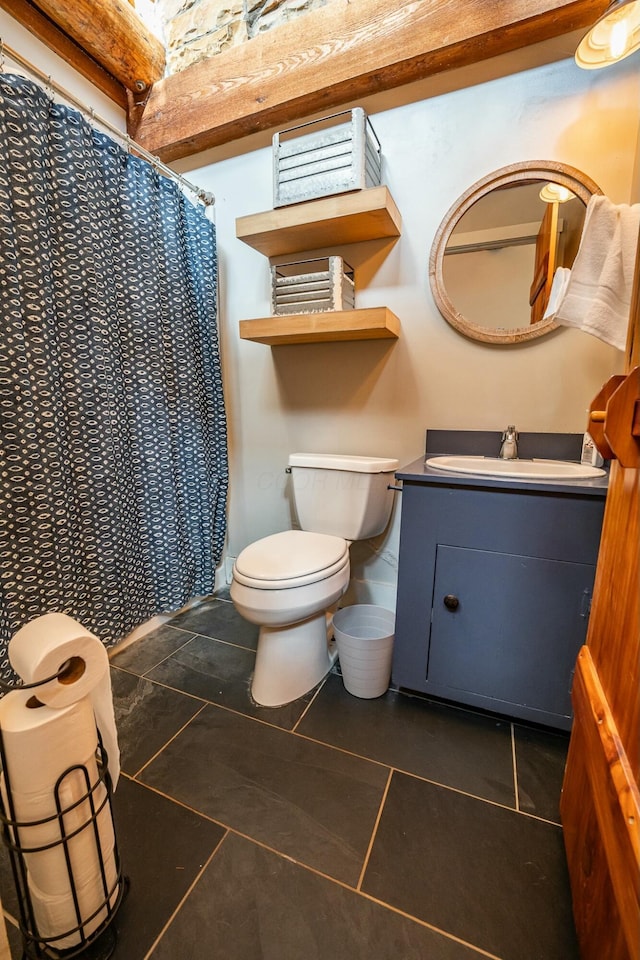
[(334, 828)]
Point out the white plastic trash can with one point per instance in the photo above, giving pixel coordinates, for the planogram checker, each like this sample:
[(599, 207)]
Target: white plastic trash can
[(364, 635)]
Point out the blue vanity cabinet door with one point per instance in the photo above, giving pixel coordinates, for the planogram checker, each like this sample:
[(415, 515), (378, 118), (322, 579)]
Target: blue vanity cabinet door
[(508, 627), (519, 562), (416, 570)]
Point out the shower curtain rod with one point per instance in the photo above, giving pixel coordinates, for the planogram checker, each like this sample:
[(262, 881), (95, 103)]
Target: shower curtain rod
[(207, 198)]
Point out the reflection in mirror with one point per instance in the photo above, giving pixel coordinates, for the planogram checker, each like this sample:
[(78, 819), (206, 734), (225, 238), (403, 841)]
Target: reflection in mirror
[(511, 243), (498, 250)]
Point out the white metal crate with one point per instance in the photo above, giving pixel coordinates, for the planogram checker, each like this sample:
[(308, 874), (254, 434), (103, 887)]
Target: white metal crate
[(333, 155), (312, 286)]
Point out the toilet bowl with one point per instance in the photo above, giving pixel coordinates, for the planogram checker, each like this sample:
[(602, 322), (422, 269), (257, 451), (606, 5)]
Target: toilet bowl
[(286, 583), (290, 583)]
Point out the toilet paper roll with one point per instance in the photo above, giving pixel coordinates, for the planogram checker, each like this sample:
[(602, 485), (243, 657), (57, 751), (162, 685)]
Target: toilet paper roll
[(53, 641), (55, 916), (54, 865), (50, 766), (40, 648), (48, 866), (41, 743)]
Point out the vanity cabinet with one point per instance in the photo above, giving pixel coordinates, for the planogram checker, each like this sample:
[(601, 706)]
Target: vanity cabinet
[(494, 590)]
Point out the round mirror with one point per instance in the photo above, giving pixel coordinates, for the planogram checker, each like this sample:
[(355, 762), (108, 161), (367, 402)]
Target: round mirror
[(498, 248)]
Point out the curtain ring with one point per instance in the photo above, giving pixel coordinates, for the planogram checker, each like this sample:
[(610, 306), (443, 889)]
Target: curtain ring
[(49, 89)]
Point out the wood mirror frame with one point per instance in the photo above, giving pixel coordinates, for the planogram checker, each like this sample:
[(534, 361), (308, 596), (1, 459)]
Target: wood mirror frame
[(576, 181)]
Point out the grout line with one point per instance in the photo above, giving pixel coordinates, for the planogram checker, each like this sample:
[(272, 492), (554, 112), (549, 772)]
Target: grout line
[(168, 656), (179, 629), (283, 856), (330, 746), (515, 767), (179, 803), (248, 716), (294, 728), (222, 706), (184, 898), (170, 740), (360, 893), (119, 648), (230, 831), (430, 926), (473, 796), (416, 776), (367, 855), (165, 686), (228, 643), (192, 634), (205, 636)]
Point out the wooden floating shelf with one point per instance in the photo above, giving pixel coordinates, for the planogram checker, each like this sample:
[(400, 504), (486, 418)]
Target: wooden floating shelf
[(371, 323), (348, 218)]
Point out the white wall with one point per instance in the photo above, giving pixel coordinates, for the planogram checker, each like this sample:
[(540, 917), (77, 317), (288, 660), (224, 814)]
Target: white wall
[(19, 39), (378, 397)]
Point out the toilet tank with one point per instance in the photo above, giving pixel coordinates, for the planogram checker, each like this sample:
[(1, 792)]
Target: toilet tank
[(345, 496)]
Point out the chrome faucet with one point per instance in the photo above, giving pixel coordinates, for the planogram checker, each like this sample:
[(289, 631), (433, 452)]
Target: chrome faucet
[(509, 448)]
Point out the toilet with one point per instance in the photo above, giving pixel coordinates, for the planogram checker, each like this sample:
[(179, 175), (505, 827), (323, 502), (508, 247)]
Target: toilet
[(290, 583)]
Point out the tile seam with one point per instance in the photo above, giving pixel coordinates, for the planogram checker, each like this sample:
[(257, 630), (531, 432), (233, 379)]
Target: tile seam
[(183, 900), (374, 831), (361, 893)]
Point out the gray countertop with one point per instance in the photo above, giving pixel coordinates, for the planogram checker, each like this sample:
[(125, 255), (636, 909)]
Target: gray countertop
[(418, 472)]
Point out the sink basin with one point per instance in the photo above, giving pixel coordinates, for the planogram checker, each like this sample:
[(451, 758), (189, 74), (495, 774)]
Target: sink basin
[(519, 469)]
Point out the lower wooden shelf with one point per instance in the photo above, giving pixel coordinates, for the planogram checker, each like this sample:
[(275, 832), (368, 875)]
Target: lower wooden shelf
[(371, 323)]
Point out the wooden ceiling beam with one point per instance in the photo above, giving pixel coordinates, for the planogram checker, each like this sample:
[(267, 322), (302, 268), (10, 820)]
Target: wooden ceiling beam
[(334, 54), (110, 32), (45, 30)]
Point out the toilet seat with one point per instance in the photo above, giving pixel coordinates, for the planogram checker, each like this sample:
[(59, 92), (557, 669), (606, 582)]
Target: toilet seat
[(289, 559)]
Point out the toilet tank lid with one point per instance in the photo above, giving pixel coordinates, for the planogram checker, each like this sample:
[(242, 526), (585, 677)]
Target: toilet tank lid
[(339, 461)]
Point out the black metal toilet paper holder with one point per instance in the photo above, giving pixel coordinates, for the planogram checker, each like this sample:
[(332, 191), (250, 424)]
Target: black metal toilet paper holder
[(100, 942)]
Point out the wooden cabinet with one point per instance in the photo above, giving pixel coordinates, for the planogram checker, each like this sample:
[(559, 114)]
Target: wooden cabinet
[(600, 805), (494, 589), (350, 218)]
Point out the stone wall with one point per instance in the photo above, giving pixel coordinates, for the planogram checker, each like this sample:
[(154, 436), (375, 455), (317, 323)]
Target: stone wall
[(196, 29)]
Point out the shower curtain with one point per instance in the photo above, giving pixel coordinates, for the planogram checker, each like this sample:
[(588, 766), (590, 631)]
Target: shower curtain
[(113, 451)]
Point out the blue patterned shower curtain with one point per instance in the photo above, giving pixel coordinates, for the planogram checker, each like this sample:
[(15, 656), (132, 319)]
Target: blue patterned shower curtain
[(113, 455)]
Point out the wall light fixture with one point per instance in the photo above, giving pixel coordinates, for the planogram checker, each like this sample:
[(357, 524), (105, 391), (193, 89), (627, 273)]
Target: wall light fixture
[(614, 36)]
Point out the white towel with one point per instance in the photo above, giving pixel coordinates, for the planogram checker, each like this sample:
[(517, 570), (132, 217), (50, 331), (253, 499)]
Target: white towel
[(597, 298), (557, 292)]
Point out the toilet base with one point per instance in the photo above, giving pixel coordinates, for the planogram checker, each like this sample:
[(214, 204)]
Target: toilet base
[(291, 660)]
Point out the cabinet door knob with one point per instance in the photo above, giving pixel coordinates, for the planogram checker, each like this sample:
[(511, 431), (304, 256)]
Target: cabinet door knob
[(451, 602)]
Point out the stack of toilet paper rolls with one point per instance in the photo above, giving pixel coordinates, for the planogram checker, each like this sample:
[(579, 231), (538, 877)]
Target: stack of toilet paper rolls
[(50, 738)]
